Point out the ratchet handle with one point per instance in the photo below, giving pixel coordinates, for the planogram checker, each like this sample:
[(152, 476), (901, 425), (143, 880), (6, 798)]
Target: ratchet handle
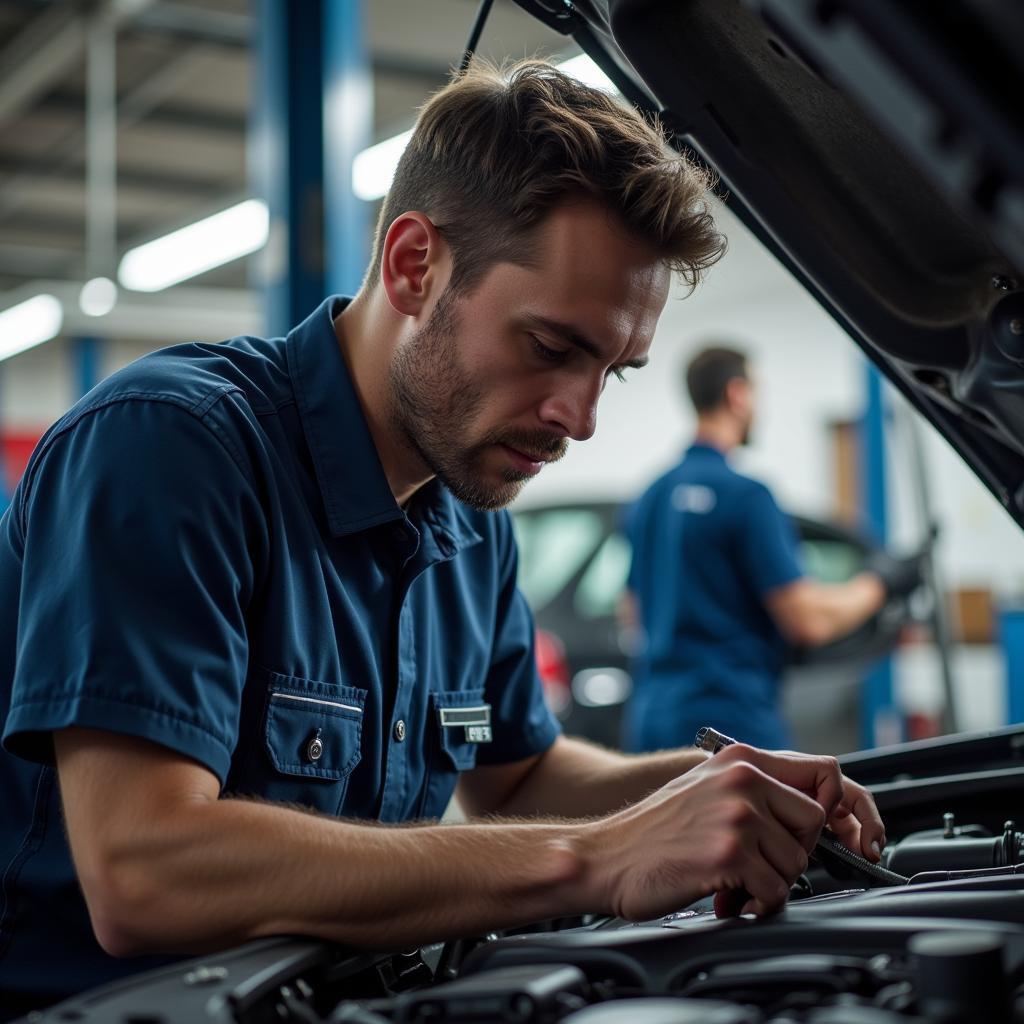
[(828, 849)]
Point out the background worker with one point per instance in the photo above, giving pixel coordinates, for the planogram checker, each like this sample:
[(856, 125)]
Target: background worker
[(716, 586), (267, 599)]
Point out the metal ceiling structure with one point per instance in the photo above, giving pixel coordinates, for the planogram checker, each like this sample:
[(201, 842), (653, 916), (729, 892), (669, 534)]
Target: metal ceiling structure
[(121, 120)]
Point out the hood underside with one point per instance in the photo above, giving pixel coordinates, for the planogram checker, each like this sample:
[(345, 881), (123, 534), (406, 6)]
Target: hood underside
[(877, 149)]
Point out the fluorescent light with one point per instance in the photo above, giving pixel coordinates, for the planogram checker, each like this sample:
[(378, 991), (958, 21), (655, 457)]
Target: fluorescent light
[(586, 70), (191, 250), (29, 323), (98, 296), (374, 169)]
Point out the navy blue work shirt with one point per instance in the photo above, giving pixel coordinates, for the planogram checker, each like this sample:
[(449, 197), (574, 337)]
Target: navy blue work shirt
[(708, 546), (205, 553)]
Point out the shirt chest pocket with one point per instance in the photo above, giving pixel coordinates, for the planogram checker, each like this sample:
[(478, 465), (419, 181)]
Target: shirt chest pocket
[(311, 741)]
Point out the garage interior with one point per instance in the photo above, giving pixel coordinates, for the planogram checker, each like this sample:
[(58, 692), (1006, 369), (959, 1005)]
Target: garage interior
[(178, 171)]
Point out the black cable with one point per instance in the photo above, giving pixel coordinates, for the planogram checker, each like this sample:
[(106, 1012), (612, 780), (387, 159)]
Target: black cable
[(474, 36)]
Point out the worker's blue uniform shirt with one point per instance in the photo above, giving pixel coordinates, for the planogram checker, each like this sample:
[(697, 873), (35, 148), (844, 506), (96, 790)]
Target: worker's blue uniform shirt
[(708, 546), (205, 553)]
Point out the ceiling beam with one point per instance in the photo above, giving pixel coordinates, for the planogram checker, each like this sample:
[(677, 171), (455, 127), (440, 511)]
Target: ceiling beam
[(146, 102), (48, 47), (38, 56), (34, 171), (196, 24), (133, 106)]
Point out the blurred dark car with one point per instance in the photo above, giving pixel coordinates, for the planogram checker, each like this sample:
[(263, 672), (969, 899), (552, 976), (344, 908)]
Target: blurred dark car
[(573, 562)]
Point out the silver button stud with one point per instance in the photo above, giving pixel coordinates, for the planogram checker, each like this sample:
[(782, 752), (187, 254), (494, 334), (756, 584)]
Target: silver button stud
[(400, 730), (315, 748)]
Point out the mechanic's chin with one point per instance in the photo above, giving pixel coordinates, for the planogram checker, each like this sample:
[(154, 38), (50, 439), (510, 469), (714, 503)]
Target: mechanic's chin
[(487, 490)]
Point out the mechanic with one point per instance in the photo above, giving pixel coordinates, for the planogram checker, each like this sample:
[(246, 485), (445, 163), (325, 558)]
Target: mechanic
[(716, 587), (267, 602)]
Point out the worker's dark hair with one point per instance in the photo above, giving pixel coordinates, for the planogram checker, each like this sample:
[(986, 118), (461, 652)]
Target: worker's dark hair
[(708, 374), (497, 149)]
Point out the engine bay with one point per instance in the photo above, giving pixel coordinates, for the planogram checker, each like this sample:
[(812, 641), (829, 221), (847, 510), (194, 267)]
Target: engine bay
[(945, 945)]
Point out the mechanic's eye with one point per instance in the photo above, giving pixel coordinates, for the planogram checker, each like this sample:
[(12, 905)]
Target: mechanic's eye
[(548, 354)]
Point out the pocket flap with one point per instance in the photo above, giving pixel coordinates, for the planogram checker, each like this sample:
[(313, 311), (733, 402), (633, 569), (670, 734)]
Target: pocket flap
[(464, 722), (314, 729)]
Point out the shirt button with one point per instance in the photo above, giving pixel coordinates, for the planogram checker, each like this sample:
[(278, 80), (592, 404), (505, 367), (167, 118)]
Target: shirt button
[(399, 730), (314, 749)]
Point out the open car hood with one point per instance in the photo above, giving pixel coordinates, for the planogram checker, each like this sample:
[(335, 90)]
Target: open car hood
[(877, 149)]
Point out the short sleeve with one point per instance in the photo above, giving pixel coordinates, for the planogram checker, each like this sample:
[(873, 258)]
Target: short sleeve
[(765, 542), (140, 537), (523, 725)]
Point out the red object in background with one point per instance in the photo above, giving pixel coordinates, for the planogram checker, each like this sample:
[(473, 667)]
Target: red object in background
[(553, 668), (15, 448), (921, 726)]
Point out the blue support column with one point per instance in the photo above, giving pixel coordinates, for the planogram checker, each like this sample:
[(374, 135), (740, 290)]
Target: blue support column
[(1011, 634), (288, 156), (348, 117), (86, 352), (881, 721)]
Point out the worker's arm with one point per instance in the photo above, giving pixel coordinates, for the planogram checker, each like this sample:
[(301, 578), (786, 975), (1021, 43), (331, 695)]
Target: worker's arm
[(574, 778), (809, 613), (168, 866), (571, 779)]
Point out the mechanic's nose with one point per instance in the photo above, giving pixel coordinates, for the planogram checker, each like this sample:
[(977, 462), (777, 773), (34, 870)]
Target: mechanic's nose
[(573, 412)]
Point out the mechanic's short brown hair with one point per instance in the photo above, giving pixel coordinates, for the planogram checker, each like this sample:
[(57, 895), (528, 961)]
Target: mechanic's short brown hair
[(495, 150), (709, 372)]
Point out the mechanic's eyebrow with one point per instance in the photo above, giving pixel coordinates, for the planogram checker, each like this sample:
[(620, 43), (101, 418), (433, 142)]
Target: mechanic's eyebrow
[(569, 333)]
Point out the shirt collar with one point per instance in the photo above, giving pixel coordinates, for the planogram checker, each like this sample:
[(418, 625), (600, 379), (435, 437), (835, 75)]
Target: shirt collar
[(703, 448), (353, 486)]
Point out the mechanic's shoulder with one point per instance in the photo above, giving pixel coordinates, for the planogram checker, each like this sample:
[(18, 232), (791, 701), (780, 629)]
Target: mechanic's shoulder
[(195, 377), (196, 374), (660, 486), (223, 386), (750, 496)]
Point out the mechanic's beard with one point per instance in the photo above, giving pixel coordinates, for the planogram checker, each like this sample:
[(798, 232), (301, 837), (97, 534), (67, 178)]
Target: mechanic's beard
[(433, 399)]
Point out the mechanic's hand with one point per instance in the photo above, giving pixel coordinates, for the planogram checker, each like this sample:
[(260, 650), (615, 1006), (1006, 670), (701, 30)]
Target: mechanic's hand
[(849, 808), (725, 825), (899, 576)]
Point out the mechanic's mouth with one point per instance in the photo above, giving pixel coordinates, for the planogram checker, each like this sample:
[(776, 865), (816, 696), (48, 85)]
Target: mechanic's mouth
[(525, 461)]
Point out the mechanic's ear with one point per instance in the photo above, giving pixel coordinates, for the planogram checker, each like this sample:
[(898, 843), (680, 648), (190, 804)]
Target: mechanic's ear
[(415, 263)]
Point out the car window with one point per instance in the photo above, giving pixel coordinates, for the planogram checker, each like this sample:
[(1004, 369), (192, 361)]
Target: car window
[(604, 579), (831, 561), (553, 546)]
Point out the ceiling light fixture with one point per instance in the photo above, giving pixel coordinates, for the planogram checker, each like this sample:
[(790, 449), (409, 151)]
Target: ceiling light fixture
[(29, 323), (208, 243), (374, 168), (98, 296)]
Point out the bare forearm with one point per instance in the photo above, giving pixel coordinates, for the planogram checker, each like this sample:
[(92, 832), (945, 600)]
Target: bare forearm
[(231, 870), (576, 779), (844, 606)]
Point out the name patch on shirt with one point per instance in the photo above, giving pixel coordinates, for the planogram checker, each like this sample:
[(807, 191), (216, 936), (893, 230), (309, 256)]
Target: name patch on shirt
[(694, 498), (476, 721)]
